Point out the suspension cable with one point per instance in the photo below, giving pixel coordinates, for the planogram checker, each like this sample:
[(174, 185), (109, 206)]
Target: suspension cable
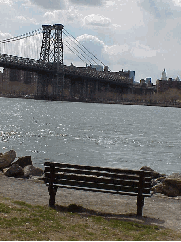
[(83, 46), (75, 54), (77, 51), (23, 36)]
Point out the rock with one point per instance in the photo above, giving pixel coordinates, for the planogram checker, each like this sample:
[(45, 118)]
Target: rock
[(154, 174), (24, 161), (170, 186), (7, 158), (30, 170), (158, 188), (14, 171), (175, 175)]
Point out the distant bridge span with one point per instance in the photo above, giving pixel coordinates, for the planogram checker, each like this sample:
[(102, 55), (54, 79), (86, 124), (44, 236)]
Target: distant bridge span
[(26, 64), (51, 70)]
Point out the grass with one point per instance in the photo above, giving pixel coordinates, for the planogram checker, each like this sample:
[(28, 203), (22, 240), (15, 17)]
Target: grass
[(22, 221)]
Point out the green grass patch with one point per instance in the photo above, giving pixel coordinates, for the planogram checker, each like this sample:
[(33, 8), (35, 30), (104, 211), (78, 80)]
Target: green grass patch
[(4, 208), (23, 204), (22, 221)]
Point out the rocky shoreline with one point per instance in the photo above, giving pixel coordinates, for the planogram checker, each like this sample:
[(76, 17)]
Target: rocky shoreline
[(24, 168), (20, 168)]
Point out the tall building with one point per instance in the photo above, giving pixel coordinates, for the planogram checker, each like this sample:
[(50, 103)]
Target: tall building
[(164, 84), (164, 75)]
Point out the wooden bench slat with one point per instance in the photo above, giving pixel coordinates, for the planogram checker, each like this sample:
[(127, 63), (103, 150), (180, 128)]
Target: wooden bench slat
[(94, 178), (99, 190), (97, 168), (107, 187), (98, 185), (126, 181), (94, 173)]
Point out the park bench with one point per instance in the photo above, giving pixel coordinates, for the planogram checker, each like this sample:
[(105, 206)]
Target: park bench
[(98, 179)]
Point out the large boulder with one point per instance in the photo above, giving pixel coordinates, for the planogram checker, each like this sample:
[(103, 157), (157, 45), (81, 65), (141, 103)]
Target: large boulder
[(24, 161), (7, 158), (30, 170), (14, 171), (170, 186)]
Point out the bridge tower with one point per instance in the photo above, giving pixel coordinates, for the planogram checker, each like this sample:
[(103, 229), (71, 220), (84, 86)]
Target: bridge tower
[(52, 52)]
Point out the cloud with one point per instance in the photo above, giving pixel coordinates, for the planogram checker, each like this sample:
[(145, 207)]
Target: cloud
[(50, 4), (8, 2), (4, 36), (88, 2), (97, 20), (115, 51), (70, 16), (25, 20), (142, 51), (90, 42), (162, 9)]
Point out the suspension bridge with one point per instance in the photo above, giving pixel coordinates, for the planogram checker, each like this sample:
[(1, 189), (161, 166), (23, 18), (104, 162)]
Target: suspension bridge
[(42, 51)]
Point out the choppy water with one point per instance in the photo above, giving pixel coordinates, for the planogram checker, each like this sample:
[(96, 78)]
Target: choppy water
[(95, 134)]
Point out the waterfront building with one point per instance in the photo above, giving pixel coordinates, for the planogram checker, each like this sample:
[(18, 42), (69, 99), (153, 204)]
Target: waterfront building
[(165, 84)]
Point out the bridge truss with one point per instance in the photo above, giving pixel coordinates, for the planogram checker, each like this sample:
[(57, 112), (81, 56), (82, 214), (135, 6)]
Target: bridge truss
[(50, 67)]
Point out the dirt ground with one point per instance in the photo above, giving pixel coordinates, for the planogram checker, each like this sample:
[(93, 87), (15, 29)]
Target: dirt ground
[(158, 209)]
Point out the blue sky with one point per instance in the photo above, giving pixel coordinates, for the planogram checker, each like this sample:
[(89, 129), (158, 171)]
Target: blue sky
[(139, 35)]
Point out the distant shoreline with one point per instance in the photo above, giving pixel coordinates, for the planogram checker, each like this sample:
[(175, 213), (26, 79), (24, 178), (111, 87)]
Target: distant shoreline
[(122, 102)]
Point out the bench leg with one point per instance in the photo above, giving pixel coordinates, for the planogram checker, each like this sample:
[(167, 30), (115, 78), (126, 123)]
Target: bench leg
[(52, 193), (140, 204)]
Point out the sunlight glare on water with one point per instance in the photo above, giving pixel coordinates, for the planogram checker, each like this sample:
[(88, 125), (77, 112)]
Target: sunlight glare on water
[(92, 134)]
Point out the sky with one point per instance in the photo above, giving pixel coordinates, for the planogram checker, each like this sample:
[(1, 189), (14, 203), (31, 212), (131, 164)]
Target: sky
[(140, 35)]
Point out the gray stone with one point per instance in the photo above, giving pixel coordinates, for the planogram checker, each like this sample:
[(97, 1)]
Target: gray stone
[(24, 161), (14, 171), (30, 170), (7, 158), (170, 186), (154, 174)]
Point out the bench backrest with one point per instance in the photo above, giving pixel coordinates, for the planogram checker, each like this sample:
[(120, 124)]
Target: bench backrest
[(98, 179)]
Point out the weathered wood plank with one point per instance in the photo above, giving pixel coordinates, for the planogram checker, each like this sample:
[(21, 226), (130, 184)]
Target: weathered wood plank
[(99, 190), (97, 168), (94, 173)]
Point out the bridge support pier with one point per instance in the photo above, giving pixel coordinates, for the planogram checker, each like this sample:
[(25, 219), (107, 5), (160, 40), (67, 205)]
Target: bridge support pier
[(42, 86), (58, 87)]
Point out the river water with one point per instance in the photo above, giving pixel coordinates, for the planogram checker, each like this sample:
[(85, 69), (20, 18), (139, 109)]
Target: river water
[(110, 135)]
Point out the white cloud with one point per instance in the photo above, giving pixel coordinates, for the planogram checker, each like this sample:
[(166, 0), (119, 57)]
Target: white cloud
[(4, 36), (110, 3), (115, 51), (162, 9), (87, 2), (50, 4), (70, 16), (92, 44), (142, 51), (177, 2), (25, 20), (8, 2), (97, 20)]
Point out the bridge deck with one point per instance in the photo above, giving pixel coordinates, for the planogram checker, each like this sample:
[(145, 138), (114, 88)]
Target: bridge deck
[(15, 62)]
